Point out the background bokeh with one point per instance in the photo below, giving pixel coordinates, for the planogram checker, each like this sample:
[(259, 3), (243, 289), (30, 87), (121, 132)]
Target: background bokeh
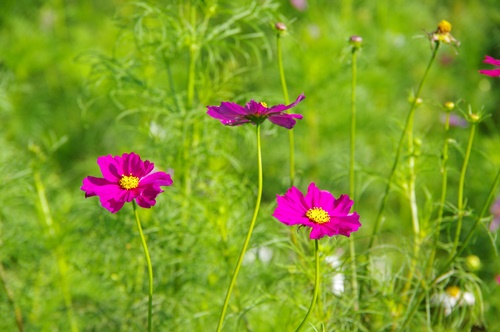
[(83, 79)]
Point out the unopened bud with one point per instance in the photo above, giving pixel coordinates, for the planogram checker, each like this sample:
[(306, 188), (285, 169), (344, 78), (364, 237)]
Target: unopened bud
[(473, 262), (280, 26), (449, 105)]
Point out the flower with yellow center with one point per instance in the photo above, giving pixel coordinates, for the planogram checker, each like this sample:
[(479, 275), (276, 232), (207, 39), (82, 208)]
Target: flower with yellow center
[(125, 178), (319, 210)]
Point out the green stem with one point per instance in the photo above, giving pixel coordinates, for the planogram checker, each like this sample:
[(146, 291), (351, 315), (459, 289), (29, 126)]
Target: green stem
[(461, 183), (444, 184), (408, 121), (150, 267), (352, 190), (59, 254), (316, 287), (291, 139), (10, 298), (249, 234)]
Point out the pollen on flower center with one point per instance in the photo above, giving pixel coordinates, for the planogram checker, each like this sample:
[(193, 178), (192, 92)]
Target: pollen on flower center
[(318, 215), (263, 104), (129, 182)]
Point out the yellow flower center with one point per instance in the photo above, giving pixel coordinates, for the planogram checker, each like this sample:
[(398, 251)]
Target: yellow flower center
[(263, 104), (129, 182), (444, 27), (453, 291), (318, 215)]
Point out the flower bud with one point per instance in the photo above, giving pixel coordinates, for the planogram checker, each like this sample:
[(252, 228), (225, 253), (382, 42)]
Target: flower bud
[(473, 262), (449, 105), (280, 26)]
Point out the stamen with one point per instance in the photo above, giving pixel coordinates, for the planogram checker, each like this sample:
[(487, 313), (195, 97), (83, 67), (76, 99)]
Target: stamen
[(129, 182), (263, 104), (318, 215)]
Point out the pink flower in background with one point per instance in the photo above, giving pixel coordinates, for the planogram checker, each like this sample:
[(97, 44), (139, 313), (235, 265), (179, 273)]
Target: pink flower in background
[(318, 210), (495, 211), (497, 279), (300, 5), (232, 114), (126, 178), (491, 72)]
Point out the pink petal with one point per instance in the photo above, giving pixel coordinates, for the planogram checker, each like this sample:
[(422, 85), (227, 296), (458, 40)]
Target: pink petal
[(491, 61), (491, 72), (110, 168), (280, 108)]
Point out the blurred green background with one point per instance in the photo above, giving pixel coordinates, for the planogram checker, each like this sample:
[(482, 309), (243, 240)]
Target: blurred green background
[(84, 79)]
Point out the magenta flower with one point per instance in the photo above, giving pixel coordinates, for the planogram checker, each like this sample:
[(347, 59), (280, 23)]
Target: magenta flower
[(318, 210), (491, 72), (232, 114), (125, 178)]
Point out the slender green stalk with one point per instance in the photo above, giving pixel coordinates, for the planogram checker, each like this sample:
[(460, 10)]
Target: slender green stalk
[(461, 183), (59, 254), (352, 188), (442, 201), (291, 139), (249, 234), (409, 120), (316, 287), (150, 267)]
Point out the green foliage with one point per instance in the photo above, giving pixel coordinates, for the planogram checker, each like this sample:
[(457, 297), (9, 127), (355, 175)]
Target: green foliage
[(81, 80)]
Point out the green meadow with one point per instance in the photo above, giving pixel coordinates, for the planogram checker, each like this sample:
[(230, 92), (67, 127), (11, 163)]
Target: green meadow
[(85, 79)]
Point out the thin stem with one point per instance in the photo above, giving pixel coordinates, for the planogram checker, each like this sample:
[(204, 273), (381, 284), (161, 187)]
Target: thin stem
[(291, 139), (249, 234), (461, 183), (409, 119), (444, 184), (352, 189), (58, 252), (150, 267), (316, 287)]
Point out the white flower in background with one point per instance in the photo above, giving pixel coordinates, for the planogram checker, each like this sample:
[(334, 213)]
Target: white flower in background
[(453, 297), (337, 282), (263, 254)]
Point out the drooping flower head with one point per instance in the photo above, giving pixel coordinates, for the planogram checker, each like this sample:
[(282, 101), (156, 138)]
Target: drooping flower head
[(443, 35), (318, 210), (232, 114), (126, 178), (491, 72)]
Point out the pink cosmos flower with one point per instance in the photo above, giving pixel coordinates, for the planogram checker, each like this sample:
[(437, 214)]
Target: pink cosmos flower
[(126, 178), (318, 210), (232, 114), (491, 72)]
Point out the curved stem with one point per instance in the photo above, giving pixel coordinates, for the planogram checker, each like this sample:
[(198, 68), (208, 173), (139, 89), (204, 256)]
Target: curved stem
[(249, 235), (291, 139), (409, 120), (316, 287), (150, 267), (460, 203), (352, 190)]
